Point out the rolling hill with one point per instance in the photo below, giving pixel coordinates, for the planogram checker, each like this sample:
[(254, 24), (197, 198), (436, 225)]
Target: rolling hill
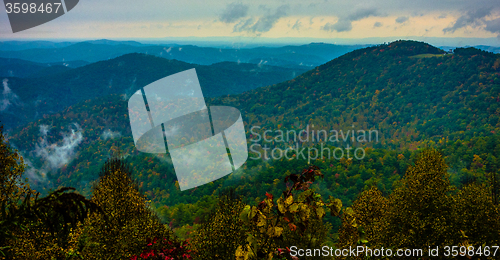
[(47, 94)]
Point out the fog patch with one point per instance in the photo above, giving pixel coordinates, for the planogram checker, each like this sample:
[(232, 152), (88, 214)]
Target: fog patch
[(108, 134), (8, 97)]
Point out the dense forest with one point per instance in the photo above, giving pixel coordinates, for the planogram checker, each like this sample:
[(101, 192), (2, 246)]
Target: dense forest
[(429, 179)]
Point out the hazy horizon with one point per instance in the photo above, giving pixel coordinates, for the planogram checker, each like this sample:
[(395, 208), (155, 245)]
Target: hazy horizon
[(251, 42), (332, 21)]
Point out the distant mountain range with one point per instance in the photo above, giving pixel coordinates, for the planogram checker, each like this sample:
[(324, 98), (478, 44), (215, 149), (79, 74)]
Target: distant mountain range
[(304, 56), (10, 67), (48, 89)]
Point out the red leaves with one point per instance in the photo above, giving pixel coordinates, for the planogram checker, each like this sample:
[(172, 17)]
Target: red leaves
[(168, 251), (303, 180), (269, 196)]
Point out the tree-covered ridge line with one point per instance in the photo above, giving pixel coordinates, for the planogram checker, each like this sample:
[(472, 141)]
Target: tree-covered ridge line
[(382, 88), (124, 75)]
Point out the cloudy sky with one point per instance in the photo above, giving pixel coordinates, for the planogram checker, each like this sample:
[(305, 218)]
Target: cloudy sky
[(271, 19)]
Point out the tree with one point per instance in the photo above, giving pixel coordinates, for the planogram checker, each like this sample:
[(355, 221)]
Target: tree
[(296, 218), (32, 227), (223, 232), (420, 208), (369, 211), (477, 217), (47, 224), (424, 212), (127, 224), (14, 192)]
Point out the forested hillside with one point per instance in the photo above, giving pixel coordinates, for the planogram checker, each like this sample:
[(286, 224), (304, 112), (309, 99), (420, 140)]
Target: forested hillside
[(415, 96), (57, 89), (408, 91)]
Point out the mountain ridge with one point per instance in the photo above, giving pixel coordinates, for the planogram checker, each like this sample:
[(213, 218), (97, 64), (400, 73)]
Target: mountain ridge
[(124, 75)]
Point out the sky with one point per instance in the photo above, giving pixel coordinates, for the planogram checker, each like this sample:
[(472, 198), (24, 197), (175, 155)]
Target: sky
[(331, 19)]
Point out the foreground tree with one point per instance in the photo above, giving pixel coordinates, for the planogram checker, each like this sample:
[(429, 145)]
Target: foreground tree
[(223, 232), (366, 225), (477, 218), (127, 224), (420, 207), (423, 212), (295, 218), (33, 227), (14, 192)]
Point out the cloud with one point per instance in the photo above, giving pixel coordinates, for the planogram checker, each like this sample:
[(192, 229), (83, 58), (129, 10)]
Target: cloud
[(442, 16), (493, 26), (8, 97), (52, 156), (471, 18), (362, 13), (243, 25), (340, 26), (233, 12), (56, 154), (108, 134), (377, 24), (264, 23), (32, 172), (344, 24), (401, 19), (297, 25)]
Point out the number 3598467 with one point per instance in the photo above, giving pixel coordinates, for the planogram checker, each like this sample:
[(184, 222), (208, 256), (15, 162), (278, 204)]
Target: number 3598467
[(32, 8)]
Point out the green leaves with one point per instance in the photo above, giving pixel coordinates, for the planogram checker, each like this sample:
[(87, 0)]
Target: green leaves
[(281, 205), (244, 215), (320, 211), (293, 215), (274, 231), (261, 220), (335, 206)]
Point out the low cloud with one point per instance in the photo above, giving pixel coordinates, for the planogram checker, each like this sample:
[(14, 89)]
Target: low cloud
[(471, 18), (8, 97), (55, 155), (32, 173), (377, 24), (264, 23), (108, 134), (401, 19), (233, 13), (344, 24), (52, 156)]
